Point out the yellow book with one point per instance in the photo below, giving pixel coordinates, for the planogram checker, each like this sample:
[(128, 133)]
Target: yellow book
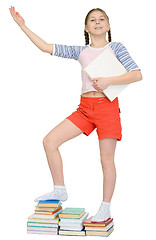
[(40, 204), (98, 233), (44, 209), (72, 233)]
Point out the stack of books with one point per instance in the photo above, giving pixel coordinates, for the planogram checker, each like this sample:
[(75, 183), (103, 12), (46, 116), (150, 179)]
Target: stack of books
[(71, 221), (98, 228), (45, 219)]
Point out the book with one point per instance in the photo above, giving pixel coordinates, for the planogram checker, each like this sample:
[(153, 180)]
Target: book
[(98, 233), (49, 203), (74, 220), (38, 224), (100, 228), (106, 64), (32, 218), (42, 232), (72, 213), (45, 216), (48, 212), (72, 233), (45, 208), (61, 224), (89, 223), (42, 228), (74, 228)]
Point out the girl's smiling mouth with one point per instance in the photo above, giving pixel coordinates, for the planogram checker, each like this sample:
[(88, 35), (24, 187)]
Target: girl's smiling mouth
[(98, 27)]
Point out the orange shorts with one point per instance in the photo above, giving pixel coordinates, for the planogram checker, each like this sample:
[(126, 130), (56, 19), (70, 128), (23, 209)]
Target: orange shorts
[(98, 113)]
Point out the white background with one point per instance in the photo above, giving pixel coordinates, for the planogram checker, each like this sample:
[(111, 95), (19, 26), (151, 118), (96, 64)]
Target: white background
[(38, 91)]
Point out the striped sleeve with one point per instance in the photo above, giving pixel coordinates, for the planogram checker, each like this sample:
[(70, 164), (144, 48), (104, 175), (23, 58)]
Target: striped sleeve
[(124, 57), (65, 51)]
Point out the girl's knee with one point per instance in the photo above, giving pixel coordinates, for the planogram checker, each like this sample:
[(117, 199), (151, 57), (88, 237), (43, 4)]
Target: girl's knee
[(107, 161), (49, 141), (45, 139)]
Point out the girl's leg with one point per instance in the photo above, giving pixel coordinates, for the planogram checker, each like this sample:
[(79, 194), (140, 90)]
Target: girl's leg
[(107, 152), (63, 132)]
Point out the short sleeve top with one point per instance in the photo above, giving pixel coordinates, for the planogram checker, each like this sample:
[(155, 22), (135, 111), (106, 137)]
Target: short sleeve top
[(86, 54)]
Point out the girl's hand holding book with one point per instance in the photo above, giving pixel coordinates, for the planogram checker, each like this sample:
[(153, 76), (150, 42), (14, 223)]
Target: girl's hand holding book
[(100, 83), (17, 17)]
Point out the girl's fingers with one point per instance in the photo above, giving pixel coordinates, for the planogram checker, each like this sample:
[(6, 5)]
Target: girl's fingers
[(14, 14), (12, 9), (19, 15)]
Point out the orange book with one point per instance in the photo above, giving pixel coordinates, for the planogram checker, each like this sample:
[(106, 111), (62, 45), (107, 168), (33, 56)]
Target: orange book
[(48, 212), (88, 223)]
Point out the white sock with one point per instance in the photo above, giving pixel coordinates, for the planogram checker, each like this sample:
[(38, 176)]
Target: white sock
[(103, 214), (58, 193)]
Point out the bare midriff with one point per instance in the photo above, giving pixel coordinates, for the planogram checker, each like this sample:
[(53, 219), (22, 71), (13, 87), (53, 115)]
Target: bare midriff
[(93, 94)]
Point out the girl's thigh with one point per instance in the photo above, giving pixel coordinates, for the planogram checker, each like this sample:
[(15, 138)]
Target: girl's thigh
[(63, 132), (107, 147)]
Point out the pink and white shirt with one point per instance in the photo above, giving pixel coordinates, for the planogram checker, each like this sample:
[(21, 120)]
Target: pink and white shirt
[(86, 54)]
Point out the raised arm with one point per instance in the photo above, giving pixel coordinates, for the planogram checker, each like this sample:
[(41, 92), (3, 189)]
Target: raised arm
[(40, 43)]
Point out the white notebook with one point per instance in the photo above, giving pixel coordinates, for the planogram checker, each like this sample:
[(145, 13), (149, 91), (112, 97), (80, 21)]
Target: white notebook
[(106, 64)]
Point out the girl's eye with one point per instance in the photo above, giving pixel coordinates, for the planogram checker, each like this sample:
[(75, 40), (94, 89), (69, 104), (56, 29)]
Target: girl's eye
[(101, 19)]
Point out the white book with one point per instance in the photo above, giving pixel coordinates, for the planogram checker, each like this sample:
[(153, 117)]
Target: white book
[(43, 229), (62, 224), (106, 64), (41, 232), (71, 228)]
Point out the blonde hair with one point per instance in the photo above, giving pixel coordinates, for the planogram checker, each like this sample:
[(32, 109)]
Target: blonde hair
[(86, 19)]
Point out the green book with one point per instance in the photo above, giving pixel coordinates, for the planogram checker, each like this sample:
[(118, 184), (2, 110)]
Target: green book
[(72, 213)]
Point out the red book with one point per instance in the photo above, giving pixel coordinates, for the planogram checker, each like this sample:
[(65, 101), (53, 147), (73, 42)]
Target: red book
[(89, 223)]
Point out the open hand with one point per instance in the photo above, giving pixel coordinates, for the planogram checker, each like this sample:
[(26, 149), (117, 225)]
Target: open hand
[(100, 83), (17, 17)]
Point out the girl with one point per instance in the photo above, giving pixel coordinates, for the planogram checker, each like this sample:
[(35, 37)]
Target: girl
[(94, 110)]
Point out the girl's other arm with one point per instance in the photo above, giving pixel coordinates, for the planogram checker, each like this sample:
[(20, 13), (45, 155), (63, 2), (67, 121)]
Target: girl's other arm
[(40, 43)]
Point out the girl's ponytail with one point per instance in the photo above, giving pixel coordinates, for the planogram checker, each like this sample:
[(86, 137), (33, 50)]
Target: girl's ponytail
[(86, 37), (109, 36)]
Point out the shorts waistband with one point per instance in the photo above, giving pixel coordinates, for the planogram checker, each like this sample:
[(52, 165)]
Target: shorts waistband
[(94, 99)]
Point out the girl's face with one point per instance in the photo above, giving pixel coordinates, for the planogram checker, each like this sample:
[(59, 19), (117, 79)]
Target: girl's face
[(97, 23)]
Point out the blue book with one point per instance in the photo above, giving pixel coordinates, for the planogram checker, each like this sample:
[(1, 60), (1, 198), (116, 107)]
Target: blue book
[(49, 201)]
